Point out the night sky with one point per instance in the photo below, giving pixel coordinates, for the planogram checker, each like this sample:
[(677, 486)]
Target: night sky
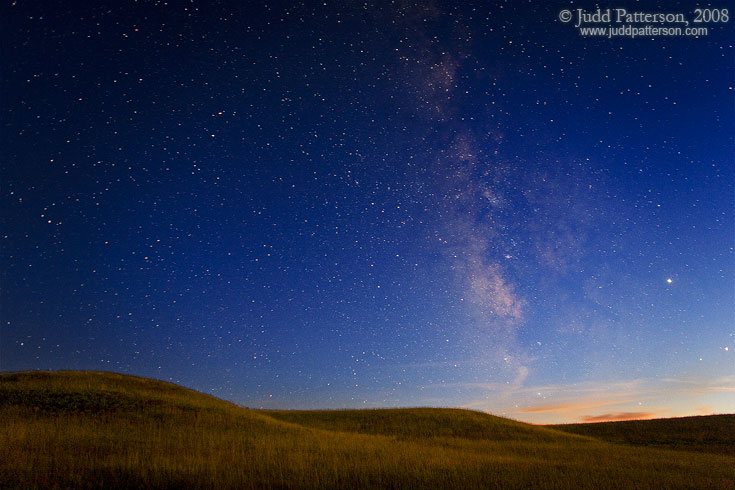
[(372, 204)]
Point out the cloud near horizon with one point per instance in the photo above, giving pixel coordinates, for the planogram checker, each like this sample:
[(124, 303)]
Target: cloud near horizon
[(619, 417), (566, 407), (571, 403)]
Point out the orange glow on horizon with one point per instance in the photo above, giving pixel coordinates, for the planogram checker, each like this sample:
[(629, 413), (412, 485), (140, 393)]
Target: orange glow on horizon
[(619, 417)]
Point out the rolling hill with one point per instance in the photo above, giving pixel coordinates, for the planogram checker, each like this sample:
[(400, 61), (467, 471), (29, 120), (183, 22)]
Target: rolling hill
[(708, 434), (106, 430)]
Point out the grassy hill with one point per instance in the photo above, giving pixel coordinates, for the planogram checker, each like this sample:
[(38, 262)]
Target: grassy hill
[(419, 423), (709, 434), (104, 430)]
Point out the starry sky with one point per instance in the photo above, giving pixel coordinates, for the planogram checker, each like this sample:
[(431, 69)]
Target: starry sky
[(371, 204)]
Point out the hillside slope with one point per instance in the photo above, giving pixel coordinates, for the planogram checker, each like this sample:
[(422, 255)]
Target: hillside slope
[(105, 430), (415, 423), (712, 433)]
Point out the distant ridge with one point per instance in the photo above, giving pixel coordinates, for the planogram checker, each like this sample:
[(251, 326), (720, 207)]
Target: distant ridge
[(703, 433)]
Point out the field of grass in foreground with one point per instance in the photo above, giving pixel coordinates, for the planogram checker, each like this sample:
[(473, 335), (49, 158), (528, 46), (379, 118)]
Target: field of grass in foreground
[(105, 430)]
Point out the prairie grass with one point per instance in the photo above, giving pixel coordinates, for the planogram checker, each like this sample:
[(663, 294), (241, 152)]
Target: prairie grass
[(710, 434), (103, 430)]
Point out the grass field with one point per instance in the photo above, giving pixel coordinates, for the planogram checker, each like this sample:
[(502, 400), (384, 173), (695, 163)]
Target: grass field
[(103, 430)]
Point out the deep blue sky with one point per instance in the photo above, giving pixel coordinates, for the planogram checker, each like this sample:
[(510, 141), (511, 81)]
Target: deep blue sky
[(348, 204)]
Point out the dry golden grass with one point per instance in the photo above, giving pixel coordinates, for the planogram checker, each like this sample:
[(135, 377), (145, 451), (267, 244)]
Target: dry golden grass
[(104, 430)]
